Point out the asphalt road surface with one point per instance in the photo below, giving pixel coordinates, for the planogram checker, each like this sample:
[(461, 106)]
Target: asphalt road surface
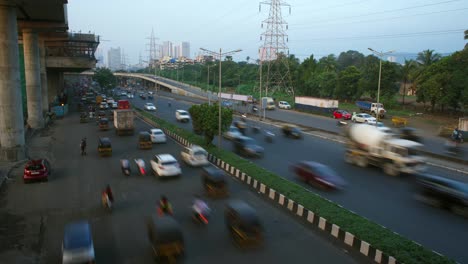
[(34, 215), (370, 193)]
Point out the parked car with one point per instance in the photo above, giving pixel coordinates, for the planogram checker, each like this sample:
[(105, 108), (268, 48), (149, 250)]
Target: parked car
[(182, 116), (318, 174), (338, 114), (232, 133), (77, 245), (442, 192), (165, 165), (150, 107), (284, 105), (195, 156), (157, 135), (364, 118), (36, 170), (247, 146)]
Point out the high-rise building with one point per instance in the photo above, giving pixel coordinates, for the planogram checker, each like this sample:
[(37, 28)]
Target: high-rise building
[(114, 59), (100, 58), (185, 49), (167, 49), (176, 52)]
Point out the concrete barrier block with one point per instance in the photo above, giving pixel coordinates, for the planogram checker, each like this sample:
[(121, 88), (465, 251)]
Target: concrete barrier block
[(310, 217), (335, 230), (364, 248), (300, 210), (378, 256), (290, 204), (281, 199), (322, 223), (349, 239), (272, 194), (262, 188)]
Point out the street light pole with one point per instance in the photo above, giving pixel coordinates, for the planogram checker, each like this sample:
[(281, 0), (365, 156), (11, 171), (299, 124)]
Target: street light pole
[(380, 54), (220, 55)]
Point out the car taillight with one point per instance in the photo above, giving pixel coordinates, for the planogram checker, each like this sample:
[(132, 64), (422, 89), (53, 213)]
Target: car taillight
[(27, 172)]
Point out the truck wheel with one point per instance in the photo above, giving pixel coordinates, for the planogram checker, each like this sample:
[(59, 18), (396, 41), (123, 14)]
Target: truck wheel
[(390, 169), (362, 161)]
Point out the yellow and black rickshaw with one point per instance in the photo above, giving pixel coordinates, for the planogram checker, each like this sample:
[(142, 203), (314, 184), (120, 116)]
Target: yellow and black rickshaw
[(83, 117), (104, 147), (243, 224), (166, 238), (144, 140), (214, 182), (103, 124)]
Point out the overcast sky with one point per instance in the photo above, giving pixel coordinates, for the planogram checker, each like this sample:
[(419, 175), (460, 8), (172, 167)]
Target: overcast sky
[(314, 27)]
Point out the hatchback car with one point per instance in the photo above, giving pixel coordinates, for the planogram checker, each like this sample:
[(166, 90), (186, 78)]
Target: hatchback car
[(364, 118), (318, 174), (246, 146), (165, 165), (150, 107), (157, 136), (232, 133), (182, 116), (284, 105), (195, 156), (338, 114), (77, 246), (36, 170)]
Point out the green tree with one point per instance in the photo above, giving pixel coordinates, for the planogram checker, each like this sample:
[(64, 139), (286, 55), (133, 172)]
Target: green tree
[(348, 84), (406, 74), (205, 120), (105, 78), (427, 57), (350, 58), (328, 63)]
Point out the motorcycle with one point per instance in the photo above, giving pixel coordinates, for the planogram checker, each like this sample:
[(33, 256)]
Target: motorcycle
[(141, 166), (125, 165), (254, 109), (269, 136), (106, 202), (201, 215), (341, 123)]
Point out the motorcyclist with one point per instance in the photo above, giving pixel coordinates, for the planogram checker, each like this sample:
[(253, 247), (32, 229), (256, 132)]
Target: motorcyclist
[(141, 166), (456, 135), (200, 209), (164, 206), (125, 164), (83, 146), (107, 194)]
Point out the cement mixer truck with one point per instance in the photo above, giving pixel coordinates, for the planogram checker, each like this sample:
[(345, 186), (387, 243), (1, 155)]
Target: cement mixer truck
[(367, 145)]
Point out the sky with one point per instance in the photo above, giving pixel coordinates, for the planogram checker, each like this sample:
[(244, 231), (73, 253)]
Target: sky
[(316, 28)]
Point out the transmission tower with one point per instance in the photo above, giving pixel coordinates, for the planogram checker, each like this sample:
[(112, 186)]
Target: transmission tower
[(274, 53), (153, 50)]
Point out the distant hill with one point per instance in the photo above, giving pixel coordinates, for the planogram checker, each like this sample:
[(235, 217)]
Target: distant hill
[(399, 57)]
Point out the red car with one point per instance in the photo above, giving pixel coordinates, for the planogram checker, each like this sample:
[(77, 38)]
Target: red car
[(318, 174), (338, 114), (36, 170)]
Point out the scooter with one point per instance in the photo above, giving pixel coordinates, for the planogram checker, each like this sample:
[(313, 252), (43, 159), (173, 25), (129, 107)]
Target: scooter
[(141, 166), (106, 202), (269, 136), (254, 108), (125, 165), (341, 123), (201, 217)]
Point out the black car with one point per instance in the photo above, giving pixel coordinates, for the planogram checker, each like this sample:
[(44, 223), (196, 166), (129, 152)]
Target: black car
[(443, 192), (248, 147), (410, 133), (291, 131), (143, 96)]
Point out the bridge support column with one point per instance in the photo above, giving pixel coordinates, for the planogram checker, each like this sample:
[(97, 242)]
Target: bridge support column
[(55, 84), (11, 106), (32, 68), (44, 88)]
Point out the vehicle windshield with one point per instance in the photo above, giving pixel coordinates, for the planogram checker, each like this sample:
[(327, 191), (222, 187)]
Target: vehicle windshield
[(199, 153), (169, 163), (157, 133), (366, 116), (326, 172), (149, 104), (34, 167)]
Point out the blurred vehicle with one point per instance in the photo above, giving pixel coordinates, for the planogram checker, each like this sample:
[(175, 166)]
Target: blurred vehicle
[(77, 245), (124, 121), (227, 104), (319, 175), (150, 96), (284, 105), (372, 108), (83, 117), (115, 105), (143, 96), (151, 92), (269, 136), (232, 133), (364, 118), (194, 156), (243, 224), (214, 181), (103, 106), (382, 127), (269, 103), (104, 146), (125, 167), (410, 133), (291, 131), (130, 95), (241, 126), (123, 104), (36, 170), (247, 146), (442, 192), (165, 165), (157, 136), (144, 140), (338, 114), (150, 107), (103, 124), (166, 238), (182, 116)]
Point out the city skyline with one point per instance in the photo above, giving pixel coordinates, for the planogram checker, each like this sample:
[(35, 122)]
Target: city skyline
[(319, 28)]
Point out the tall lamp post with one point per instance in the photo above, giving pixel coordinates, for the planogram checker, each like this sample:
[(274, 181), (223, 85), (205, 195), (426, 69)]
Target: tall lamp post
[(220, 55), (208, 84), (380, 54)]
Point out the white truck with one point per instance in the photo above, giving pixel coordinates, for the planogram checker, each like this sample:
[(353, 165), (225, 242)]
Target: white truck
[(367, 145), (268, 103), (123, 122)]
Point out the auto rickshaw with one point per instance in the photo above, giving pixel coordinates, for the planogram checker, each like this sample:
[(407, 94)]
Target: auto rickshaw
[(166, 238), (144, 140), (104, 147), (103, 124), (243, 224), (291, 131), (83, 117), (242, 126), (100, 114), (214, 182)]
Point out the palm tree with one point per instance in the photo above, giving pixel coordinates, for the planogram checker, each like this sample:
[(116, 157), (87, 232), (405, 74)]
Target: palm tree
[(406, 72), (427, 57), (466, 38)]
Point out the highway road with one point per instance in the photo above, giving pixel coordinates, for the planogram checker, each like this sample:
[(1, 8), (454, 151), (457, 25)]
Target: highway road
[(34, 215), (370, 193)]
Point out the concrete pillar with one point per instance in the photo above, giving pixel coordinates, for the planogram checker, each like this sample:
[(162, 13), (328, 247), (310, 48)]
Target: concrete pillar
[(52, 84), (11, 107), (32, 70), (44, 87)]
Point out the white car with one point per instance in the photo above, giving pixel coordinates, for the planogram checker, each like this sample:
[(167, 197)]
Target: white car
[(364, 118), (195, 156), (157, 135), (150, 107), (284, 105), (165, 165), (103, 105), (182, 116), (130, 95), (232, 133), (115, 105), (381, 126)]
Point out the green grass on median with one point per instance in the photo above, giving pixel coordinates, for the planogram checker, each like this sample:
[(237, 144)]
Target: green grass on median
[(404, 250)]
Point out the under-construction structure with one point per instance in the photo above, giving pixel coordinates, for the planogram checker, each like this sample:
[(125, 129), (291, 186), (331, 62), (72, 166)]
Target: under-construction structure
[(154, 51), (273, 55)]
